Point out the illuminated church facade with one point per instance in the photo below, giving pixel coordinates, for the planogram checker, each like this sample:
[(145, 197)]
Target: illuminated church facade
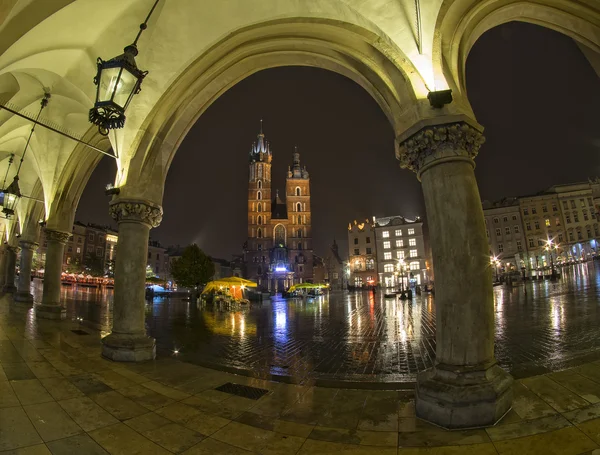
[(278, 251)]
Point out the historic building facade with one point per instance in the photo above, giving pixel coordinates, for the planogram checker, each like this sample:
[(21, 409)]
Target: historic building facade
[(504, 229), (363, 254), (401, 255), (278, 252)]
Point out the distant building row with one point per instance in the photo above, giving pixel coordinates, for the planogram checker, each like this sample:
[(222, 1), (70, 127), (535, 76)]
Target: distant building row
[(519, 228), (387, 251)]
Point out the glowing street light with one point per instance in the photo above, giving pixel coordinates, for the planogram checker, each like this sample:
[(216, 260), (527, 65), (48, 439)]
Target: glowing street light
[(549, 247)]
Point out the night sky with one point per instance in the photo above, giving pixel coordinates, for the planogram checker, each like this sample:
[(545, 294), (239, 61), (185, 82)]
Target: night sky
[(531, 88)]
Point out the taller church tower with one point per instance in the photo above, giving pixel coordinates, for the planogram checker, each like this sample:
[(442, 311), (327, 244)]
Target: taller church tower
[(259, 208)]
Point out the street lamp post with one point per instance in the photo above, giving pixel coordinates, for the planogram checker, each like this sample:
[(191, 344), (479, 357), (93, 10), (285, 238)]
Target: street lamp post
[(494, 262), (548, 248), (401, 269)]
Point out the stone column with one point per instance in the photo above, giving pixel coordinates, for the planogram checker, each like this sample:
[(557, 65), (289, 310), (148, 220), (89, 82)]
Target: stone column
[(128, 341), (51, 307), (465, 388), (3, 257), (23, 293), (11, 264)]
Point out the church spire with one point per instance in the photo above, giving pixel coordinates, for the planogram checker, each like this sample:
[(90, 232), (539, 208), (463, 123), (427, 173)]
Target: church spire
[(261, 150)]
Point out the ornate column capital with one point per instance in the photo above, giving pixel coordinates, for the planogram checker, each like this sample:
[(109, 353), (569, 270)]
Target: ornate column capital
[(28, 244), (13, 248), (439, 142), (136, 211), (57, 236)]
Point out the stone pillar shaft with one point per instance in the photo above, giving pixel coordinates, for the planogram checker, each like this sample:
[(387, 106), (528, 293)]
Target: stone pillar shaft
[(3, 257), (51, 307), (128, 341), (465, 388), (11, 264), (23, 293)]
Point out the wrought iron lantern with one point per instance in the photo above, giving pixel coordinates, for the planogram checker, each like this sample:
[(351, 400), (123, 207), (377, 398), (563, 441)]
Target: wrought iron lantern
[(11, 196), (117, 81)]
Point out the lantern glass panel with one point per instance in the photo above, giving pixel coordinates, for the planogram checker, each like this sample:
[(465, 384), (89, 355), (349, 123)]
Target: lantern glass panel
[(125, 88), (10, 200), (109, 80)]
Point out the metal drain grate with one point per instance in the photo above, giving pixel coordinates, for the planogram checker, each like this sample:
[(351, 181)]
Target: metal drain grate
[(79, 332), (242, 390)]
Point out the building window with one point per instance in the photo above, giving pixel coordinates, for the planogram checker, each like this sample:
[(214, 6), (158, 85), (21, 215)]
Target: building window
[(413, 253), (519, 246), (498, 233), (264, 259), (259, 233), (259, 207), (507, 230), (356, 252), (99, 252), (531, 244), (505, 219), (385, 234), (388, 268), (547, 221), (568, 217), (533, 210), (573, 205), (400, 254), (398, 232), (358, 281), (514, 217), (565, 205), (298, 207), (356, 240), (540, 243), (259, 247), (259, 220), (554, 207), (79, 239), (579, 236), (91, 237), (259, 184), (557, 221), (412, 242), (368, 239), (70, 249), (571, 238), (297, 191), (582, 202), (414, 265), (411, 232), (399, 243), (500, 248), (590, 203), (536, 224), (299, 245), (589, 233), (516, 228), (90, 249), (78, 250), (487, 232), (259, 195), (496, 220), (545, 208), (576, 217), (386, 245), (525, 211), (299, 233), (368, 250), (560, 237), (585, 216), (387, 255)]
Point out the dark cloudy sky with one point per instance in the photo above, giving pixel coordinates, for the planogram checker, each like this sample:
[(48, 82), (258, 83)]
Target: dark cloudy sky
[(531, 88)]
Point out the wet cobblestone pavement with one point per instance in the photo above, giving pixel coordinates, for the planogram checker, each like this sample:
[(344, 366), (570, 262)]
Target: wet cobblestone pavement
[(358, 337)]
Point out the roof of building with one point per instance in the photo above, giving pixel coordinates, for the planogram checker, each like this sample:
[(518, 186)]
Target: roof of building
[(504, 202), (395, 220), (278, 208)]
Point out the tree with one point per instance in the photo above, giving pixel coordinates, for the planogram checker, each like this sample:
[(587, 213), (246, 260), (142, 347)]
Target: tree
[(192, 268), (94, 265)]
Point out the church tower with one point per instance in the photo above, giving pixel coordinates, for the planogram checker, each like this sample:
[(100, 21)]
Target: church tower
[(259, 208), (297, 194)]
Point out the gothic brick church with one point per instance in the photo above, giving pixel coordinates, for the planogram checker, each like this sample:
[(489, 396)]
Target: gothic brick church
[(279, 251)]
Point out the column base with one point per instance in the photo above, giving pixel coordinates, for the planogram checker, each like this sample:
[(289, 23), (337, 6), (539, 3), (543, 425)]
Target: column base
[(46, 311), (463, 397), (128, 348), (23, 297), (9, 288)]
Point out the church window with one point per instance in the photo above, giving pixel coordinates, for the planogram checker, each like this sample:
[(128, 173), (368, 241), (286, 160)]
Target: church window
[(299, 245), (279, 234), (259, 184), (259, 247), (259, 195), (299, 220), (298, 207), (259, 233), (259, 207), (297, 191), (299, 233), (259, 219)]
